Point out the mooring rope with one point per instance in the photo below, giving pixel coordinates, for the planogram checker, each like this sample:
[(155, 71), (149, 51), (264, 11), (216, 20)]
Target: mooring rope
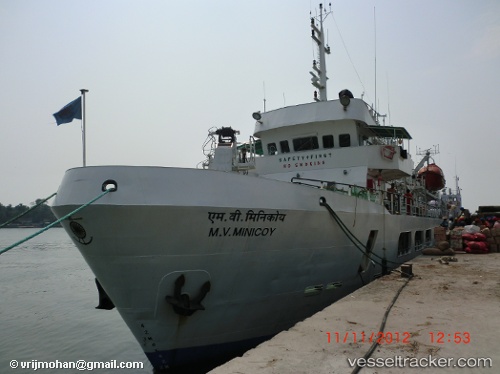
[(56, 222), (357, 243), (27, 211), (382, 325)]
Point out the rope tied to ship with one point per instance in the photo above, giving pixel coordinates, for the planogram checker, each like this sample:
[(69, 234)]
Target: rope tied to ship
[(357, 243), (106, 191), (27, 211)]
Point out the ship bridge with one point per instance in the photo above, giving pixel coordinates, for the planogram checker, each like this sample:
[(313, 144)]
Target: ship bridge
[(322, 111), (331, 140)]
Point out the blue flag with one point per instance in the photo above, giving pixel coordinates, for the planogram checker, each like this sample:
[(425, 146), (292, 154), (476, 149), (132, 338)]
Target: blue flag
[(69, 112)]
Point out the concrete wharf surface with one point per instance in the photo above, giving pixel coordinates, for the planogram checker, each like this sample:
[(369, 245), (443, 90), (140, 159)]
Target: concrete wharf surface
[(446, 312)]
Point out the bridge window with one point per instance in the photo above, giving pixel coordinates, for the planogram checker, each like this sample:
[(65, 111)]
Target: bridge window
[(345, 140), (285, 148), (305, 144), (327, 141)]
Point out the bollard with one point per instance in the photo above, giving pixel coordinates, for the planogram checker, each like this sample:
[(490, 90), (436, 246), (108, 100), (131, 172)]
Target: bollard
[(406, 270)]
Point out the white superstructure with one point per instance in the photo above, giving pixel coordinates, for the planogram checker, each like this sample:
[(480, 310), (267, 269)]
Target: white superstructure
[(202, 262)]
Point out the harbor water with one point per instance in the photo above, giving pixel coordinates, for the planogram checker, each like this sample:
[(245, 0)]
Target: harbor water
[(47, 307)]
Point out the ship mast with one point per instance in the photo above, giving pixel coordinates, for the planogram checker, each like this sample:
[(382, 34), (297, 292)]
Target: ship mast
[(319, 77)]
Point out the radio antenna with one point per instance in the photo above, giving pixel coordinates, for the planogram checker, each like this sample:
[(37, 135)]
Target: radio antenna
[(264, 88), (375, 41)]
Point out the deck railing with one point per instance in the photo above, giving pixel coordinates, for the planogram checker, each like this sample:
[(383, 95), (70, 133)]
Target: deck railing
[(395, 203)]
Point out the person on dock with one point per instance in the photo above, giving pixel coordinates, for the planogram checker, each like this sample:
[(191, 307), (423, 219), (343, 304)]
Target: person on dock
[(444, 223), (465, 214)]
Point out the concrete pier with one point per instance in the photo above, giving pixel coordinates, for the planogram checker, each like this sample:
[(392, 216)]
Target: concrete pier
[(447, 315)]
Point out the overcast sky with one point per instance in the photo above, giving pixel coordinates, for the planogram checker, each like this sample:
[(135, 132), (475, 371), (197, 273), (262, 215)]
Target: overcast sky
[(161, 73)]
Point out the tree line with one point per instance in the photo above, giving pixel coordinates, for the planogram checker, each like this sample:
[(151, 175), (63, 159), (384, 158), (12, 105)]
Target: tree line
[(38, 217)]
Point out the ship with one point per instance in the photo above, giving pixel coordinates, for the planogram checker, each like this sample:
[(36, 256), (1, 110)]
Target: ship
[(206, 261)]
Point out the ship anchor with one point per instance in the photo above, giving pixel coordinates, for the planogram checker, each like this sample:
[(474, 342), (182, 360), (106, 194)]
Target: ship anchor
[(182, 303)]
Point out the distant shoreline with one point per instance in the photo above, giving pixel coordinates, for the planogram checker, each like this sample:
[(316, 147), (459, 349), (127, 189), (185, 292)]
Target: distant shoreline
[(20, 216), (14, 226)]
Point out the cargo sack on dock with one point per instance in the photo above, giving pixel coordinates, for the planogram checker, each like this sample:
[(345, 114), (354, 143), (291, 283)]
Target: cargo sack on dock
[(486, 231), (477, 237), (476, 247), (480, 237), (456, 238), (439, 233), (494, 240), (468, 237), (475, 242), (471, 229), (443, 245), (438, 252)]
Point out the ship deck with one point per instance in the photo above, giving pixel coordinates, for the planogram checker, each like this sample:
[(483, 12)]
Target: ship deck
[(446, 312)]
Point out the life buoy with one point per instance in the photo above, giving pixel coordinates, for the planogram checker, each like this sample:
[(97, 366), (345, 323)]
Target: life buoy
[(388, 152)]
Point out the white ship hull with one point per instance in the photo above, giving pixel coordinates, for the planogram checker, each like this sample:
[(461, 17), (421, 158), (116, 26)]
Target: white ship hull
[(272, 254), (200, 263)]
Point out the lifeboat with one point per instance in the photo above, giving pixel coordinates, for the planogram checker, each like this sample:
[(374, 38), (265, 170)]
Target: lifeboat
[(433, 176)]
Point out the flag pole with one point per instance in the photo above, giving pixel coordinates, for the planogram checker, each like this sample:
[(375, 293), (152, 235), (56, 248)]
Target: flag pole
[(83, 91)]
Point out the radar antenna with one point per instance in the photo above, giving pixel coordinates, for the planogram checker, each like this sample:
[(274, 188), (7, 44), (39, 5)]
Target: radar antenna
[(427, 153)]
